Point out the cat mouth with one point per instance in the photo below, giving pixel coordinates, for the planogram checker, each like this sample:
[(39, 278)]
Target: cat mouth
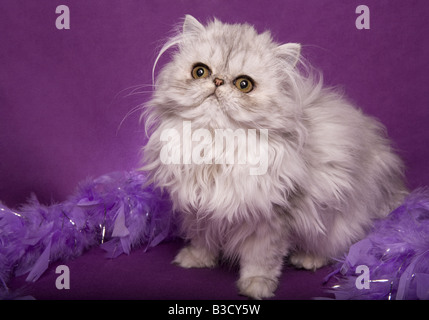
[(213, 99), (213, 95)]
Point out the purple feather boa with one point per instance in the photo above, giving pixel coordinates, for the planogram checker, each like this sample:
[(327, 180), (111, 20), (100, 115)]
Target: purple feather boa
[(396, 253), (116, 211)]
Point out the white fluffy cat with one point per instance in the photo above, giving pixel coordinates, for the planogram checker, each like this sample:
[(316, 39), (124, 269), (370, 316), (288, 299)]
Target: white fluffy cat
[(329, 169)]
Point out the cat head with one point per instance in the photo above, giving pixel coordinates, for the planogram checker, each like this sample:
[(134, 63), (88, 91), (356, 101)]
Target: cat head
[(228, 75)]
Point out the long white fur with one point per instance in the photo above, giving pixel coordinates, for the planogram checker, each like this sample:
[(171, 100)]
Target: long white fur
[(331, 168)]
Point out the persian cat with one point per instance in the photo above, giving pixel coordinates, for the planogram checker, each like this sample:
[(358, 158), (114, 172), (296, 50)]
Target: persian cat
[(260, 160)]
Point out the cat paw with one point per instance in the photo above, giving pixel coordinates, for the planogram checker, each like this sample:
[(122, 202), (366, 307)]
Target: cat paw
[(307, 261), (191, 257), (257, 287)]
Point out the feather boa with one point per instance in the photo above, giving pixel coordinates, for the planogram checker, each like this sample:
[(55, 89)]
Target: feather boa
[(116, 211), (396, 254)]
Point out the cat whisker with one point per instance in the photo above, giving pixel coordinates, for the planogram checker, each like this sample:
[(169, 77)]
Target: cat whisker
[(129, 113), (132, 89)]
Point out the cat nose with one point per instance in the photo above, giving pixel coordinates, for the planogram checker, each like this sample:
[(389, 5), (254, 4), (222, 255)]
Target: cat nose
[(218, 82)]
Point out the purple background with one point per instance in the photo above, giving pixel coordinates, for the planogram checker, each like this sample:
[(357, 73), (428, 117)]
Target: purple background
[(63, 93)]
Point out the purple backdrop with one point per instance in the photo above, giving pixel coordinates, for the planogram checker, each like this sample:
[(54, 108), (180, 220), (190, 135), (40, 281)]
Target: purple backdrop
[(63, 93)]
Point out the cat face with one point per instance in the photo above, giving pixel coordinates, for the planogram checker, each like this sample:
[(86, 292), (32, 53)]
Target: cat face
[(227, 76)]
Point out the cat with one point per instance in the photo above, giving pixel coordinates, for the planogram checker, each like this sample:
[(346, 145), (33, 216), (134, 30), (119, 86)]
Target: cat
[(329, 169)]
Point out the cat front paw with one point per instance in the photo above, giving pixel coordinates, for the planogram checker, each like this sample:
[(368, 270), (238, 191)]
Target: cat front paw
[(307, 261), (192, 257), (257, 287)]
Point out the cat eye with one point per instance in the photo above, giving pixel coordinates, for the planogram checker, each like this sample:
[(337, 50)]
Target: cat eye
[(200, 71), (244, 84)]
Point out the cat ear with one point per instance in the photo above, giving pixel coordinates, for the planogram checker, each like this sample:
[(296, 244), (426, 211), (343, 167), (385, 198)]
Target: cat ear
[(192, 25), (289, 52)]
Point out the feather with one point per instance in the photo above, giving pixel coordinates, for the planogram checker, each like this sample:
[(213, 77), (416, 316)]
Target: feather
[(119, 228), (41, 265)]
